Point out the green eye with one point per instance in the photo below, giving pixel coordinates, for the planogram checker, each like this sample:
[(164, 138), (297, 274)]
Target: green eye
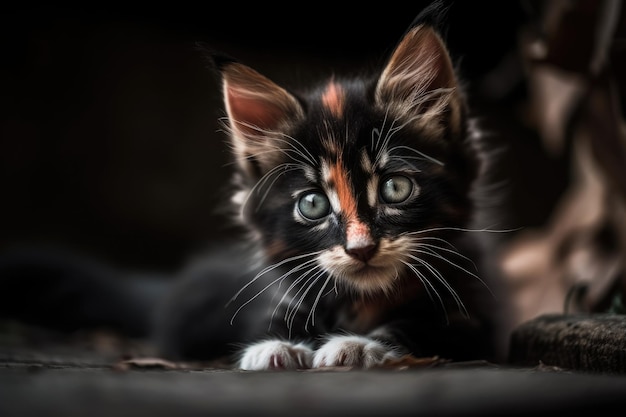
[(396, 189), (313, 205)]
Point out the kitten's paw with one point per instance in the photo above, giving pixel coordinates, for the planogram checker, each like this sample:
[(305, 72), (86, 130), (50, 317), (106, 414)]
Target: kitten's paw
[(276, 354), (356, 351)]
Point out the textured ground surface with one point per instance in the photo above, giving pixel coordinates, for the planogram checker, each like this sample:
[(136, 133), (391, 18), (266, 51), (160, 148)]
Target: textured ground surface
[(43, 376)]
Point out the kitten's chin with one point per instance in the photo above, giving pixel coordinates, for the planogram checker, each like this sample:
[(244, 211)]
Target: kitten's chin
[(370, 279)]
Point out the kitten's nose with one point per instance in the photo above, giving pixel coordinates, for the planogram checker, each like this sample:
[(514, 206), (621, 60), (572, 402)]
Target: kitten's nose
[(363, 252)]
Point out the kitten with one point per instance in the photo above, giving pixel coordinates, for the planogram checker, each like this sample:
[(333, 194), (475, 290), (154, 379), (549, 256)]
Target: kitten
[(356, 196), (356, 192)]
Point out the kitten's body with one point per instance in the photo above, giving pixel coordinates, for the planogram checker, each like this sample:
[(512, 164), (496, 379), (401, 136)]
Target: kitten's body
[(357, 198)]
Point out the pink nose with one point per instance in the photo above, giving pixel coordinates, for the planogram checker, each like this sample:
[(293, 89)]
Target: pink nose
[(363, 253)]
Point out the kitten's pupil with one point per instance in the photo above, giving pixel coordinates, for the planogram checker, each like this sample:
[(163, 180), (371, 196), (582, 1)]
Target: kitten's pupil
[(396, 189), (314, 205)]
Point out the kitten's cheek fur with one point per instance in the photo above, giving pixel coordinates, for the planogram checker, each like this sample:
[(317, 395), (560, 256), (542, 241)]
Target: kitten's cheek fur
[(356, 351), (276, 355)]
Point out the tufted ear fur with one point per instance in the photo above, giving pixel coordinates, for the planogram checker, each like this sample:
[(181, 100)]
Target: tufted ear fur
[(258, 110), (419, 82)]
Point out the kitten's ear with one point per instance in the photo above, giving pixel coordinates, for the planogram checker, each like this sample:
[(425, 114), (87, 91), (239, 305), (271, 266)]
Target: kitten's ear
[(419, 80), (258, 110)]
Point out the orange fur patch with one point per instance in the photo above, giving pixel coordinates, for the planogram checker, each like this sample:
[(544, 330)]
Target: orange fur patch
[(357, 232), (339, 178), (333, 99)]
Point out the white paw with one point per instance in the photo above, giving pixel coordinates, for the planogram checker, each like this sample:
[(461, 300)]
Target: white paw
[(357, 351), (276, 354)]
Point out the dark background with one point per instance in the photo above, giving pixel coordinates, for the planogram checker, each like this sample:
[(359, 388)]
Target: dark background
[(109, 138)]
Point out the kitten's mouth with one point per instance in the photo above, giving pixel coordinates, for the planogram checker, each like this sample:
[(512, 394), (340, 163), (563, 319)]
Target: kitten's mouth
[(377, 274)]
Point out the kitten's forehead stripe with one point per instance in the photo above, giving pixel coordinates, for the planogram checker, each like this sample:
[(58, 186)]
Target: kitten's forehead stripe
[(333, 99), (338, 178)]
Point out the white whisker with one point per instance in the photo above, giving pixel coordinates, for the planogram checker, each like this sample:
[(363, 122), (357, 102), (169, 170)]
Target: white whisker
[(382, 148), (273, 136), (272, 267), (421, 154), (453, 251), (428, 286), (311, 315), (286, 167), (288, 290), (462, 229), (450, 251), (378, 132), (311, 281), (443, 281), (420, 239), (291, 287), (267, 190)]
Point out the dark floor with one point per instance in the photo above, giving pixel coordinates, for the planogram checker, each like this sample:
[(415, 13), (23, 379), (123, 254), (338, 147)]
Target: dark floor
[(100, 377)]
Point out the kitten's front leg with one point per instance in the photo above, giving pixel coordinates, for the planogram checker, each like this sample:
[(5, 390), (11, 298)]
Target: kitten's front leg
[(276, 355), (353, 350)]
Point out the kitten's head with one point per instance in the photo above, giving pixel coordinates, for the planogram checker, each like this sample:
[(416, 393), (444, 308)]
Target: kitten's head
[(358, 178)]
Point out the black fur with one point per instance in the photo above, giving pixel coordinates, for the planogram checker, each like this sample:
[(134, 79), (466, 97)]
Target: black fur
[(224, 300)]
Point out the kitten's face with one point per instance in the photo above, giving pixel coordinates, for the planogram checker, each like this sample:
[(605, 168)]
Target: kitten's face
[(357, 180)]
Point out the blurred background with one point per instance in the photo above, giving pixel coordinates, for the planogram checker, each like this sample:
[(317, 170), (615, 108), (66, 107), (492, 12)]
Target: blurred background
[(109, 138), (109, 115)]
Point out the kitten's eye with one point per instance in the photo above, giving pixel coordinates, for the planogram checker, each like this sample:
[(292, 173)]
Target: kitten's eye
[(314, 205), (396, 189)]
